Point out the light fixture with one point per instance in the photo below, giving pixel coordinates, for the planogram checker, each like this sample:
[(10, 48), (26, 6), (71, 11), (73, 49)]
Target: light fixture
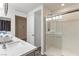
[(54, 17), (48, 19), (57, 17), (62, 4), (60, 17), (5, 8)]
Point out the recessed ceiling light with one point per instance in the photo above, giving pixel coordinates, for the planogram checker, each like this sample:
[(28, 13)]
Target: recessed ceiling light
[(54, 18), (62, 4)]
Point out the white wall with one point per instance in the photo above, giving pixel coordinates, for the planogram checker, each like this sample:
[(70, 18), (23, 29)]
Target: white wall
[(71, 33)]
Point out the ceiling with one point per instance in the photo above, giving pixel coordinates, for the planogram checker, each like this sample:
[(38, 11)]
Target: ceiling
[(24, 7), (57, 6), (54, 7)]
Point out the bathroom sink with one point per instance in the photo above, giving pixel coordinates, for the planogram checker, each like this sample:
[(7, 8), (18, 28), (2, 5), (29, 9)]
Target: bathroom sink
[(13, 46), (16, 49)]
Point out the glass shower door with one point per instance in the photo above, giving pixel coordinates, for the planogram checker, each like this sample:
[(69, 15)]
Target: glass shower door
[(54, 36)]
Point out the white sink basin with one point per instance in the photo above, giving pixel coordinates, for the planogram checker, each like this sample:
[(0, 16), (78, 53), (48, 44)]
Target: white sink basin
[(16, 48)]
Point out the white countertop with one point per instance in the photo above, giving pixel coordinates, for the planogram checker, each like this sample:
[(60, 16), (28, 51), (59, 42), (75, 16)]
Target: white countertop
[(16, 49)]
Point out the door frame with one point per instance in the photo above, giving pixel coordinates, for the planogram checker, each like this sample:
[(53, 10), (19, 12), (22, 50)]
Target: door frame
[(43, 36), (25, 26)]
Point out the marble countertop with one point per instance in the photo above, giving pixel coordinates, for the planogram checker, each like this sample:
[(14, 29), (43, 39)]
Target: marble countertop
[(16, 48)]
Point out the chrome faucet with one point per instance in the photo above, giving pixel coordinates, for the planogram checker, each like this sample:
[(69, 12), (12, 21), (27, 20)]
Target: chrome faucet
[(4, 45), (3, 40)]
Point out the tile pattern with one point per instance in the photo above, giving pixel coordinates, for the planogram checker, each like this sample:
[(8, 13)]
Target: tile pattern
[(36, 53)]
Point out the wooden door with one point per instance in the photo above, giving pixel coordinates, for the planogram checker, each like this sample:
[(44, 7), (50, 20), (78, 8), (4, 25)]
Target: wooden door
[(20, 24)]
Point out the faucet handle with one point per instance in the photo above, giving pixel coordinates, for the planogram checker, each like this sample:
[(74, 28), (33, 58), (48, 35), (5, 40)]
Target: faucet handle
[(4, 46)]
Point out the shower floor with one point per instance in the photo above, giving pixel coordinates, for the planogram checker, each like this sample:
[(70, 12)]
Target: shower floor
[(53, 52), (57, 52)]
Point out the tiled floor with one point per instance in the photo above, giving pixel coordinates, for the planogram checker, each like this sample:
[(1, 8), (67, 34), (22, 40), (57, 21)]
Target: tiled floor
[(36, 53), (53, 52), (57, 52), (50, 52)]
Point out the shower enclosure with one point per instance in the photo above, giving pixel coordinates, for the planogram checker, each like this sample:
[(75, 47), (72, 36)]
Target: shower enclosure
[(62, 35), (54, 35)]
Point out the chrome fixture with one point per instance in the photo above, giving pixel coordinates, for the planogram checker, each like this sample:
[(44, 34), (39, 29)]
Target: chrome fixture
[(2, 33), (62, 4), (5, 8)]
